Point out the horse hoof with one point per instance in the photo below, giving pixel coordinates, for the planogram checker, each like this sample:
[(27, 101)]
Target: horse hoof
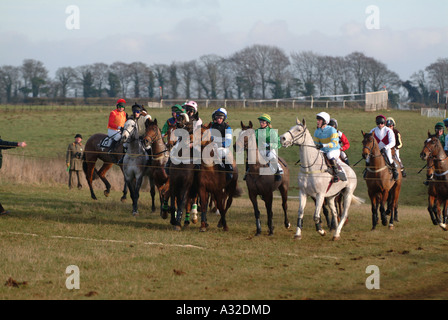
[(296, 237), (204, 227), (391, 227), (322, 233), (194, 221), (123, 200), (177, 228), (336, 238), (106, 193), (288, 226), (135, 214), (444, 227), (226, 229)]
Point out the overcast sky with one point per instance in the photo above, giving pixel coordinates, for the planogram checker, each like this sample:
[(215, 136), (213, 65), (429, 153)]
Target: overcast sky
[(412, 34)]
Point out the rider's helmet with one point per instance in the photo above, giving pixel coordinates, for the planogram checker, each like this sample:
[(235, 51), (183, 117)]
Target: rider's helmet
[(446, 122), (381, 119), (136, 108), (191, 106), (439, 125), (177, 109), (220, 112), (265, 117), (333, 123), (121, 103), (78, 136), (390, 122), (324, 116)]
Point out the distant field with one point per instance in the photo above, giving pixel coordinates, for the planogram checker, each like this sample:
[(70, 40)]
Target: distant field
[(121, 257)]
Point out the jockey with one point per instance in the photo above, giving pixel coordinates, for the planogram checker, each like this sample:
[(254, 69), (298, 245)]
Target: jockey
[(343, 141), (439, 132), (175, 111), (223, 140), (326, 139), (139, 115), (191, 107), (390, 123), (446, 140), (386, 141), (264, 135), (117, 119)]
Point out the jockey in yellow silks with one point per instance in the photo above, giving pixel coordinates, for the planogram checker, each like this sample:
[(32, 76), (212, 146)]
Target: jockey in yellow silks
[(326, 139)]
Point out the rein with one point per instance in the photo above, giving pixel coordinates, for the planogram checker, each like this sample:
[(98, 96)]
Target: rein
[(303, 135)]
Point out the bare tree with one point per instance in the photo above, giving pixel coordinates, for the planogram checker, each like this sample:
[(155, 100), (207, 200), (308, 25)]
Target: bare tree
[(174, 80), (65, 79), (138, 72), (9, 78), (100, 74), (438, 74), (35, 76), (186, 71), (124, 74)]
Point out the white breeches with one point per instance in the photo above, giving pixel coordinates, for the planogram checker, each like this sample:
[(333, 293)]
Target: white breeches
[(115, 134)]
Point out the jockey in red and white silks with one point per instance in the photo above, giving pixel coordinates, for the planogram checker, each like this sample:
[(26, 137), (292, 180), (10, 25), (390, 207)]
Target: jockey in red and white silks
[(385, 137)]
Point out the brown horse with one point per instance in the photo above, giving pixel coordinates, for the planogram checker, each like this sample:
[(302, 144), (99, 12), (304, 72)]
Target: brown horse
[(212, 182), (438, 187), (183, 182), (159, 156), (94, 152), (262, 185), (380, 183)]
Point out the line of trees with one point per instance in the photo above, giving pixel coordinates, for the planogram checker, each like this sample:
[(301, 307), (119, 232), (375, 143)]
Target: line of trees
[(255, 72)]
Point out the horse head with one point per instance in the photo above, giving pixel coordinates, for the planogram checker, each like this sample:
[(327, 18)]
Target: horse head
[(295, 135), (246, 139), (432, 147), (369, 145), (152, 133), (129, 131)]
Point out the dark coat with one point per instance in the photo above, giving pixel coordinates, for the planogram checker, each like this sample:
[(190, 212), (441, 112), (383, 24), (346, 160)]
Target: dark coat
[(6, 145)]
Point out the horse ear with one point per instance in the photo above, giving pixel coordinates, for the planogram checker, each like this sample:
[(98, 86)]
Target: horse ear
[(242, 125), (304, 122), (429, 134), (250, 124), (363, 133), (298, 121), (155, 121)]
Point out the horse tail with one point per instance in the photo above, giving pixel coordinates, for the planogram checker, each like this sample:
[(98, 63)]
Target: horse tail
[(84, 168), (357, 200), (237, 192)]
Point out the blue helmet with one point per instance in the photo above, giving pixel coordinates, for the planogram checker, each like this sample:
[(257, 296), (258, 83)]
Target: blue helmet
[(446, 122), (220, 111)]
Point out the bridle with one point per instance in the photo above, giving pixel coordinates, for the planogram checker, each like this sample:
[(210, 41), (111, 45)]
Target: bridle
[(303, 135), (431, 151), (371, 151)]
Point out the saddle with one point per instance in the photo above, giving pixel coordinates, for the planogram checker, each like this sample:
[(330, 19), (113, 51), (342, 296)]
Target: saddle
[(106, 142)]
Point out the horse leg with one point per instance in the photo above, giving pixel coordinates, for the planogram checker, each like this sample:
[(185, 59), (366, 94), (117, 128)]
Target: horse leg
[(89, 177), (383, 200), (443, 223), (253, 199), (102, 174), (204, 201), (344, 215), (284, 193), (432, 209), (375, 203), (334, 214), (138, 184), (268, 204), (125, 192), (173, 210), (319, 202), (302, 204), (153, 195), (220, 201)]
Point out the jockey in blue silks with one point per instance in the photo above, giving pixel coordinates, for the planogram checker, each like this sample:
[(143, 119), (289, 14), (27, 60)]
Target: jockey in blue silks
[(326, 139), (222, 136)]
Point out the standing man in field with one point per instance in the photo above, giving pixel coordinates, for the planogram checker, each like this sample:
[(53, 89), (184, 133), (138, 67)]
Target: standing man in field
[(8, 145), (73, 159)]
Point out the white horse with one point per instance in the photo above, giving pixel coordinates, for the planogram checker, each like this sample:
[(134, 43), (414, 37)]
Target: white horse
[(135, 162), (315, 181)]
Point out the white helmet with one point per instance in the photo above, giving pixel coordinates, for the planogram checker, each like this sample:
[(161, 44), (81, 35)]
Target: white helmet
[(192, 104), (220, 111), (324, 116)]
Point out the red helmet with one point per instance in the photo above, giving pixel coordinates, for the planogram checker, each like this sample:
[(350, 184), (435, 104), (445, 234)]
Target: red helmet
[(381, 119), (121, 101)]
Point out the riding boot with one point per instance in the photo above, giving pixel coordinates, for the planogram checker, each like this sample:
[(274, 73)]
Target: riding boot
[(120, 162), (395, 172), (113, 146), (229, 171), (278, 174), (167, 167), (338, 173)]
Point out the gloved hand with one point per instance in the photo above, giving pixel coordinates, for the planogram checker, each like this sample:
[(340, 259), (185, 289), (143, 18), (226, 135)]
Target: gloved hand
[(383, 151), (319, 146)]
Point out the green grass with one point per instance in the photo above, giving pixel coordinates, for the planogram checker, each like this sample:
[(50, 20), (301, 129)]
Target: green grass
[(121, 257)]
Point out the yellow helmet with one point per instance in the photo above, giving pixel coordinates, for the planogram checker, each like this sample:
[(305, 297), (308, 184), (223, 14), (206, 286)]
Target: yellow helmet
[(265, 117)]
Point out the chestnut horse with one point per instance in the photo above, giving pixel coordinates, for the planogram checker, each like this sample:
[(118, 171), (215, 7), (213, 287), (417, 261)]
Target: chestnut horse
[(213, 182), (94, 152), (262, 185), (380, 183), (438, 187)]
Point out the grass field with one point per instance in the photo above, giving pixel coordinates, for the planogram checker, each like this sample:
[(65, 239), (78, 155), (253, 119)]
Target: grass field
[(121, 257)]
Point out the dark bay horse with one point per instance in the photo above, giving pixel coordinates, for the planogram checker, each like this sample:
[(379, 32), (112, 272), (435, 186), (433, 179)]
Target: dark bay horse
[(160, 156), (438, 187), (94, 152), (183, 182), (381, 186), (262, 185), (212, 182)]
